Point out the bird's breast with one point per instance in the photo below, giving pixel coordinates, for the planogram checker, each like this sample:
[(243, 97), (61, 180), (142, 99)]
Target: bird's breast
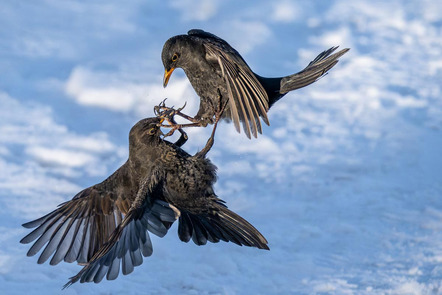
[(205, 82), (211, 88), (190, 179)]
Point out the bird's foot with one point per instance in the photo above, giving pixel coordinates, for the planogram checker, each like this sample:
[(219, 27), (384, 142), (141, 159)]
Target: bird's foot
[(164, 112), (175, 126), (183, 135), (167, 113)]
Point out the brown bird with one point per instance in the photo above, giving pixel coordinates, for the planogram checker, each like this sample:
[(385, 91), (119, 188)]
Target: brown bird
[(219, 74), (108, 222)]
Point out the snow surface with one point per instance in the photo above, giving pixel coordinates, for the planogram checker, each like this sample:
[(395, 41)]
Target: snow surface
[(345, 184)]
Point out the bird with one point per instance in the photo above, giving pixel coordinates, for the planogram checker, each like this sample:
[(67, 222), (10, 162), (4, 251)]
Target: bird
[(217, 71), (108, 223)]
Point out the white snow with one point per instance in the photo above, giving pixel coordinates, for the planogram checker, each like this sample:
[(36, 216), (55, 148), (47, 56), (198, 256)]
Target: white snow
[(345, 183)]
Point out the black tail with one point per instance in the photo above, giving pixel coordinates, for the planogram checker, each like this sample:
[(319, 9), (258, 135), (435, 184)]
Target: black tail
[(219, 224), (278, 87)]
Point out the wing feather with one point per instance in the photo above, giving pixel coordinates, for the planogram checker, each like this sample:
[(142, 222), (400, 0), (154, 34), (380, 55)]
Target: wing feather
[(237, 74), (130, 240), (79, 227)]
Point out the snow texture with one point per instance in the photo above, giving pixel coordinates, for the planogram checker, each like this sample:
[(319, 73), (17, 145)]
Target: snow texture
[(345, 184)]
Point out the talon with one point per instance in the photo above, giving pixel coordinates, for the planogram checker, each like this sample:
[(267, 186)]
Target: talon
[(181, 108), (170, 133)]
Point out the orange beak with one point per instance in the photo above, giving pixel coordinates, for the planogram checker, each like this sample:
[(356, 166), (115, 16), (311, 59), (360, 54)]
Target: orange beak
[(167, 74)]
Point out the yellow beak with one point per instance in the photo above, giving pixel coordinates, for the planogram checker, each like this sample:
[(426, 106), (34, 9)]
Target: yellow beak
[(167, 74)]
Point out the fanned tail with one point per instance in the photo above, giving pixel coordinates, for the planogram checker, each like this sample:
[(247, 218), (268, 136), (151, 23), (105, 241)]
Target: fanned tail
[(219, 224), (316, 69), (278, 87)]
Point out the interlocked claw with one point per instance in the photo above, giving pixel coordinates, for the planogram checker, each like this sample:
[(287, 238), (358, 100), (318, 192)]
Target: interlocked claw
[(162, 111), (168, 114)]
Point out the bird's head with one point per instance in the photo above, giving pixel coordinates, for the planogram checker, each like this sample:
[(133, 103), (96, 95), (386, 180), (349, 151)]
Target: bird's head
[(145, 131), (177, 53)]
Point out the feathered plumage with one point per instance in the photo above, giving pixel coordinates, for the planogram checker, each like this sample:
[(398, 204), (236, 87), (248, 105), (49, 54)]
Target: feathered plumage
[(106, 225), (218, 72)]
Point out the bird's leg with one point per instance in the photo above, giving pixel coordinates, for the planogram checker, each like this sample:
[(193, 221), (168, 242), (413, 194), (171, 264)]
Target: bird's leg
[(221, 107), (168, 113), (211, 140), (163, 111), (183, 138), (182, 115), (174, 127), (170, 118)]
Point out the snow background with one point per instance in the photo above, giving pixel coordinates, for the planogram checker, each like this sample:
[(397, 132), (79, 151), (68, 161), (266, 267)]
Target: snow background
[(345, 184)]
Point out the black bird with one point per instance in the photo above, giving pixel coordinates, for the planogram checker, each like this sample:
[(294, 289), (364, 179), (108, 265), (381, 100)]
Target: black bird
[(218, 72), (108, 222)]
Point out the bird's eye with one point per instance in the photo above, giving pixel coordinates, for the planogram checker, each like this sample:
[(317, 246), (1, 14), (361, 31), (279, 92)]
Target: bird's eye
[(152, 131), (175, 57)]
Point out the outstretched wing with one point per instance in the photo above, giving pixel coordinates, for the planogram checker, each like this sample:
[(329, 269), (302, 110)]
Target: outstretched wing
[(130, 240), (79, 227), (128, 243), (248, 99)]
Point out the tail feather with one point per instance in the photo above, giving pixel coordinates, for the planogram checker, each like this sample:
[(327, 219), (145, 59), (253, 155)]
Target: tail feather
[(214, 233), (220, 224), (249, 235), (315, 69)]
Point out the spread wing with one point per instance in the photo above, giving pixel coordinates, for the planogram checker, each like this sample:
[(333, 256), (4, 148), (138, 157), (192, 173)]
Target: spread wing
[(130, 239), (128, 243), (248, 99), (79, 227)]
